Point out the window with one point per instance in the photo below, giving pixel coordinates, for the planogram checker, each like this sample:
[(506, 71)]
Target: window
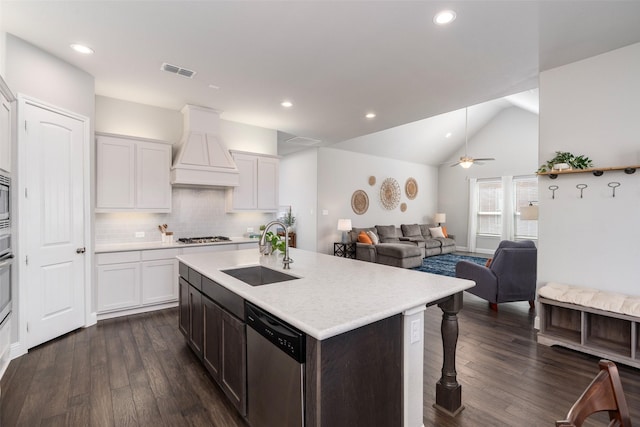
[(525, 190), (490, 202)]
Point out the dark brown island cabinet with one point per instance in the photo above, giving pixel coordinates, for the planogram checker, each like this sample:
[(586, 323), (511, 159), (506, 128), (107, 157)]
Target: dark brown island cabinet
[(354, 378), (211, 319)]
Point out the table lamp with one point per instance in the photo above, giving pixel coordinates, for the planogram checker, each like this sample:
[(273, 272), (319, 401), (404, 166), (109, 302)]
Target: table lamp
[(529, 213), (440, 218), (344, 225)]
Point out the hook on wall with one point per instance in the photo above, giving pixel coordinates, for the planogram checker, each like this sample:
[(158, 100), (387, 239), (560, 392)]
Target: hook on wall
[(553, 189), (581, 187), (613, 185)]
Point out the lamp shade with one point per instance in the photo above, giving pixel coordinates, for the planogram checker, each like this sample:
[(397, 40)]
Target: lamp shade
[(529, 212), (344, 225), (440, 218)]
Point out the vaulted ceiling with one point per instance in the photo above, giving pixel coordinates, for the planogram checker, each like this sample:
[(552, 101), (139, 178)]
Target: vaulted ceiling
[(334, 60)]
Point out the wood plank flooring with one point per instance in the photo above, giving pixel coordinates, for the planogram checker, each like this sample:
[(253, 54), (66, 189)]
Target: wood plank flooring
[(137, 370)]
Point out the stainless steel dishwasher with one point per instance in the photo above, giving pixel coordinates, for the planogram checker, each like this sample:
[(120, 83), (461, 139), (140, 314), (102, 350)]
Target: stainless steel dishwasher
[(275, 371)]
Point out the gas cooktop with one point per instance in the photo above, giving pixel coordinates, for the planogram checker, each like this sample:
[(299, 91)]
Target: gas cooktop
[(207, 239)]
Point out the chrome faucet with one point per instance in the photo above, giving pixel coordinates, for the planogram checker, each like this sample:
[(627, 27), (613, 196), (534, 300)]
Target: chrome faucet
[(263, 246)]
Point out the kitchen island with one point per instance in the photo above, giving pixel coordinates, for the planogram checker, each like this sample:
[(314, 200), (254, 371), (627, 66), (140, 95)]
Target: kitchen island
[(364, 331)]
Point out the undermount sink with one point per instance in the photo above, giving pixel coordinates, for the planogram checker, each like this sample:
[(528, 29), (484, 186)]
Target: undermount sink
[(258, 275)]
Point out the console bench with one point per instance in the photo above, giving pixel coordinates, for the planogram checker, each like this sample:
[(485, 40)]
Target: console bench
[(601, 323)]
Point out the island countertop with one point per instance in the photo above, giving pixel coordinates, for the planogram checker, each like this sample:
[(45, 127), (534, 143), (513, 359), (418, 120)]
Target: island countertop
[(332, 295)]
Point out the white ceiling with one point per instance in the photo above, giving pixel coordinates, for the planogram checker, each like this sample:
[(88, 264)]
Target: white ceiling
[(335, 60)]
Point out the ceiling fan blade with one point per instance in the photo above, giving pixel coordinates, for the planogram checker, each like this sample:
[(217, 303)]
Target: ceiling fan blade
[(484, 159), (455, 164)]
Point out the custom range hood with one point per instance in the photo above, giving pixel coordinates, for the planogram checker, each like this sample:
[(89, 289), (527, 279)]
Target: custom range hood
[(202, 159)]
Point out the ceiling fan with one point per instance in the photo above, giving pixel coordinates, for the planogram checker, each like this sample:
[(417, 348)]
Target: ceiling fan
[(466, 161)]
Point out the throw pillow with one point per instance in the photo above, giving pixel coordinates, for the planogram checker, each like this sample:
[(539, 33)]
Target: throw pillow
[(364, 238), (374, 237), (488, 263), (436, 232), (444, 231)]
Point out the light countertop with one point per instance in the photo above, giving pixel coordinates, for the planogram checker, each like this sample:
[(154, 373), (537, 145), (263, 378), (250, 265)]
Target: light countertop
[(333, 295), (123, 247)]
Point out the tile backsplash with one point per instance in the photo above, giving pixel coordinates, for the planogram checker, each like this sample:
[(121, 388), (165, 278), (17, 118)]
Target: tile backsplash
[(194, 212)]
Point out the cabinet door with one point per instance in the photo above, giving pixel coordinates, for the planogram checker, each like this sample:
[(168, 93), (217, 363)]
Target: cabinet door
[(5, 135), (211, 350), (245, 194), (234, 363), (196, 325), (153, 164), (183, 322), (159, 281), (115, 187), (268, 183), (118, 286)]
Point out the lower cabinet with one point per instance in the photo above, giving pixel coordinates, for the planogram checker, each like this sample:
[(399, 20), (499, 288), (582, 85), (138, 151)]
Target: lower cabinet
[(216, 336), (136, 279)]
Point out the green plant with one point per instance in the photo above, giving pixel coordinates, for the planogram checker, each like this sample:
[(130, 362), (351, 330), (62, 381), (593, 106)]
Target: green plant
[(276, 241), (289, 219), (575, 162)]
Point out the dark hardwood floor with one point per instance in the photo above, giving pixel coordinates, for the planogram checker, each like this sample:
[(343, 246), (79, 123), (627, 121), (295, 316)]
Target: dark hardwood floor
[(137, 370)]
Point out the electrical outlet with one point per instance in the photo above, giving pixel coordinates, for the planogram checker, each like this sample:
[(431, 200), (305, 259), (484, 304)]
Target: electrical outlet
[(249, 229), (415, 331), (139, 233)]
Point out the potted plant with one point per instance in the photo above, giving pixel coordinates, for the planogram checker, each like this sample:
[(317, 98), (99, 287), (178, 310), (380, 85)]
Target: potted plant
[(276, 242), (289, 219), (566, 160)]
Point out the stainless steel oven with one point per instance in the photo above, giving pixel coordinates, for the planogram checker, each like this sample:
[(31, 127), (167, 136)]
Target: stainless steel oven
[(5, 286), (5, 205)]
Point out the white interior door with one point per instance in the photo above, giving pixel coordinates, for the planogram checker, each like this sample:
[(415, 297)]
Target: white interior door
[(55, 223)]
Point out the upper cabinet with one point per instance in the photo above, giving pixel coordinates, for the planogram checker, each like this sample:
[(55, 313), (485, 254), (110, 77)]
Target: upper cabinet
[(6, 99), (259, 183), (132, 174)]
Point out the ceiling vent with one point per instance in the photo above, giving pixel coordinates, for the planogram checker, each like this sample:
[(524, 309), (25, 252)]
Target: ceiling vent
[(302, 140), (174, 69)]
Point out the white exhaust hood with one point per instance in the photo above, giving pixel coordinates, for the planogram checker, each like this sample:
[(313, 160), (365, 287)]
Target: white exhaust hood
[(202, 159)]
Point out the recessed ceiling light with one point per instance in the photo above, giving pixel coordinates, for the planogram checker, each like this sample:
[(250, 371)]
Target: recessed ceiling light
[(214, 87), (80, 48), (370, 115), (444, 17), (286, 104), (448, 135)]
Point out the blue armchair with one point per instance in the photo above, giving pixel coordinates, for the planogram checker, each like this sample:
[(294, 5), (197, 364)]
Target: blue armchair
[(511, 276)]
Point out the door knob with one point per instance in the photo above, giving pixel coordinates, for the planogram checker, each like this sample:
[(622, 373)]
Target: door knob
[(80, 250)]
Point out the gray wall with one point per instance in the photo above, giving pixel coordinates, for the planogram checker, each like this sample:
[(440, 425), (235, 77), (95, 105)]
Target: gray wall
[(299, 189), (341, 172), (512, 139), (591, 107)]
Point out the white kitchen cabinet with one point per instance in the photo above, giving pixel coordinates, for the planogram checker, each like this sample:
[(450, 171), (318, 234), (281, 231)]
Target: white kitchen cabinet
[(136, 279), (132, 175), (118, 285), (259, 183), (6, 98), (159, 276)]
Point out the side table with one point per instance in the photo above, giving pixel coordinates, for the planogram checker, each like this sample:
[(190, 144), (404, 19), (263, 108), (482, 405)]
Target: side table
[(345, 250)]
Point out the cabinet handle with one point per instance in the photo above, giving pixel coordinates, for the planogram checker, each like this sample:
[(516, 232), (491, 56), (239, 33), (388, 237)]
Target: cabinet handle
[(80, 250)]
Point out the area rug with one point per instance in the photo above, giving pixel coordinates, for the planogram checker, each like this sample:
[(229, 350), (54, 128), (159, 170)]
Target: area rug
[(445, 265)]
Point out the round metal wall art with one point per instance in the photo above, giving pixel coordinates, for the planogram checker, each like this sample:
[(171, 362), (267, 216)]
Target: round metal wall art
[(359, 202), (372, 180), (403, 207), (390, 193), (411, 188)]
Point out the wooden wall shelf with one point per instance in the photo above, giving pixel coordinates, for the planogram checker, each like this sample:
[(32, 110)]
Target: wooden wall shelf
[(596, 171)]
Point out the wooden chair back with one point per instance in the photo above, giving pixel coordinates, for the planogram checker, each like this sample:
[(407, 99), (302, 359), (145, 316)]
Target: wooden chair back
[(603, 394)]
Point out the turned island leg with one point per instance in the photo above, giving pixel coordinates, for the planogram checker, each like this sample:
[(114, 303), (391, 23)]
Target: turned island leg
[(448, 391)]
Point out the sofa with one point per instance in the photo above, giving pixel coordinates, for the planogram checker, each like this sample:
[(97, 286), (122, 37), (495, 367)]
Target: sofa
[(403, 246)]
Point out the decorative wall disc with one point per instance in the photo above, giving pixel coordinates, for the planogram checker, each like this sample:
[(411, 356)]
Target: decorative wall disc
[(390, 193), (403, 207), (411, 188), (372, 180), (359, 202)]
